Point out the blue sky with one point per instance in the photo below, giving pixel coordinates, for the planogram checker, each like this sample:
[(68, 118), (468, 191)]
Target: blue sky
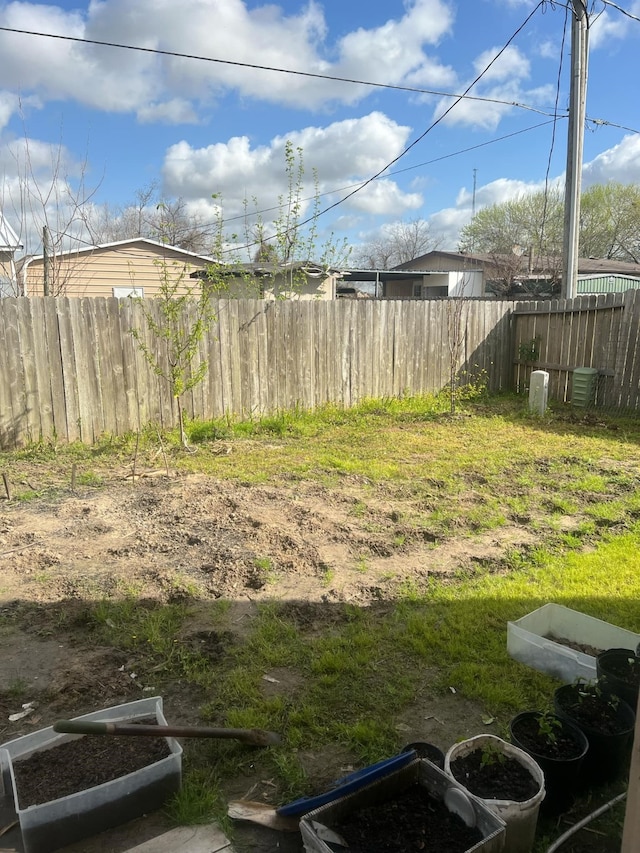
[(119, 119)]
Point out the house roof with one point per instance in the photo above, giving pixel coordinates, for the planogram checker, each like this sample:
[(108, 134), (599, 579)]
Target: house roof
[(262, 270), (8, 237), (145, 241), (586, 266)]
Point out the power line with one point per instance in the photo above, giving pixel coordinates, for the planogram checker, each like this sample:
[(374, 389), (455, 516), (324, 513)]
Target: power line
[(621, 10), (255, 67), (428, 129)]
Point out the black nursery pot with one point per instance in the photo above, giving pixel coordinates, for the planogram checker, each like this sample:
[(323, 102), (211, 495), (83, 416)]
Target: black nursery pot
[(618, 671), (562, 771), (427, 750), (608, 755)]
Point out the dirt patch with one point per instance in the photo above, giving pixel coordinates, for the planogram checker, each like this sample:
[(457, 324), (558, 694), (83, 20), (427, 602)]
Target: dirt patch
[(196, 539)]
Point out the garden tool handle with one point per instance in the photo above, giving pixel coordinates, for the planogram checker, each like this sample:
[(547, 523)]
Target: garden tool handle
[(255, 737)]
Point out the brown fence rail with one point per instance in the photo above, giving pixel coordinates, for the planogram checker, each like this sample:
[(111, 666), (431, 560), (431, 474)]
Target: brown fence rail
[(71, 369)]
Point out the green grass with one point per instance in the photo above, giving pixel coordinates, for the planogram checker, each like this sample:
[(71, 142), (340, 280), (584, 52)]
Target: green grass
[(574, 485)]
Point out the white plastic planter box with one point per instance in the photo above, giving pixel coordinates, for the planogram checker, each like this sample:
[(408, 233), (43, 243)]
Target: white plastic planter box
[(528, 641), (49, 826), (435, 782)]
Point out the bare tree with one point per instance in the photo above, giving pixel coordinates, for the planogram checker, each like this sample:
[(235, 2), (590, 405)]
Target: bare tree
[(397, 243), (152, 217), (49, 197)]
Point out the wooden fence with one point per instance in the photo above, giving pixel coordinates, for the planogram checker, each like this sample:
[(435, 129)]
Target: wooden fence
[(71, 369), (600, 331)]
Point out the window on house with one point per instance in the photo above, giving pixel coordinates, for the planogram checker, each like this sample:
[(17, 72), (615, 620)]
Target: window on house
[(124, 292), (417, 290)]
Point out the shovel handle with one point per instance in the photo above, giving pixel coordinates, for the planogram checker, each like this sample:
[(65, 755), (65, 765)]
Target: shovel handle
[(255, 737)]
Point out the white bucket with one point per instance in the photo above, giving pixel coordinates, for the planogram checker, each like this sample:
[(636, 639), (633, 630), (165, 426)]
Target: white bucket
[(520, 818)]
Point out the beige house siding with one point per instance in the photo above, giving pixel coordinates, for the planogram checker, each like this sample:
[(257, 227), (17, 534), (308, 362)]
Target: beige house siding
[(439, 285), (7, 274), (272, 288), (97, 271)]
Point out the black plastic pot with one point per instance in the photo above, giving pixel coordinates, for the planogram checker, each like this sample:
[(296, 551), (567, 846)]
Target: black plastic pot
[(618, 671), (609, 753), (561, 774), (427, 750)]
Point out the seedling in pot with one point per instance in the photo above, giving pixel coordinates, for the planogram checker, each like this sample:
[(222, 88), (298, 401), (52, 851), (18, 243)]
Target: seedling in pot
[(549, 726), (491, 754)]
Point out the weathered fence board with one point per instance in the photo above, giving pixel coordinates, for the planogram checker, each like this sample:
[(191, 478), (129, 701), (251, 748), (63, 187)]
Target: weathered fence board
[(72, 369)]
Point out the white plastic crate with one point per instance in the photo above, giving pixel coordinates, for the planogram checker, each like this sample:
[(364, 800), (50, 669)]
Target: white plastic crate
[(528, 641), (48, 826)]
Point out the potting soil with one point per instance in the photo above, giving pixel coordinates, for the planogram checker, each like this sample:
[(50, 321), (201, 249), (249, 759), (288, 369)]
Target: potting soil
[(560, 746), (413, 821), (82, 763), (501, 778)]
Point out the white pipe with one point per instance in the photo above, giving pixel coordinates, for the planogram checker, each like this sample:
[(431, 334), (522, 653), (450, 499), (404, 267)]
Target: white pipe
[(585, 820)]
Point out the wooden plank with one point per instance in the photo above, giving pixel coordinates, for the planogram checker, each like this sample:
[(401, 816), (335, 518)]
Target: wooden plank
[(320, 351), (631, 380), (215, 408), (8, 438), (377, 347), (84, 373), (262, 390), (31, 390), (303, 345), (42, 391), (93, 379), (246, 357), (274, 354), (55, 368), (69, 375), (125, 315), (15, 374), (110, 368), (235, 369)]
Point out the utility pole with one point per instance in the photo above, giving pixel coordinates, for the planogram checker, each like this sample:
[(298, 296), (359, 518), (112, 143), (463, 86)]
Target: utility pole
[(575, 142)]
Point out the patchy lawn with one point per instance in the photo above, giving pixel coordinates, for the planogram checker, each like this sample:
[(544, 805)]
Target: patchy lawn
[(332, 577)]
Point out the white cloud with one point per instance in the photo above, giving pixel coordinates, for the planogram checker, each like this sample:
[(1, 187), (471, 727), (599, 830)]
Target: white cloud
[(175, 111), (501, 85), (238, 172), (620, 163), (449, 221), (508, 65), (160, 87), (606, 27)]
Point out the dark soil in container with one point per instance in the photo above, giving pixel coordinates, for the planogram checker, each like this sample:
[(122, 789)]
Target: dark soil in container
[(563, 746), (411, 822), (625, 667), (502, 778), (577, 647), (83, 763), (592, 710)]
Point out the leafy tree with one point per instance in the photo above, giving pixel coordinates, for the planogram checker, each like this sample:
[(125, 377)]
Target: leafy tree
[(610, 222), (532, 222), (397, 244)]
